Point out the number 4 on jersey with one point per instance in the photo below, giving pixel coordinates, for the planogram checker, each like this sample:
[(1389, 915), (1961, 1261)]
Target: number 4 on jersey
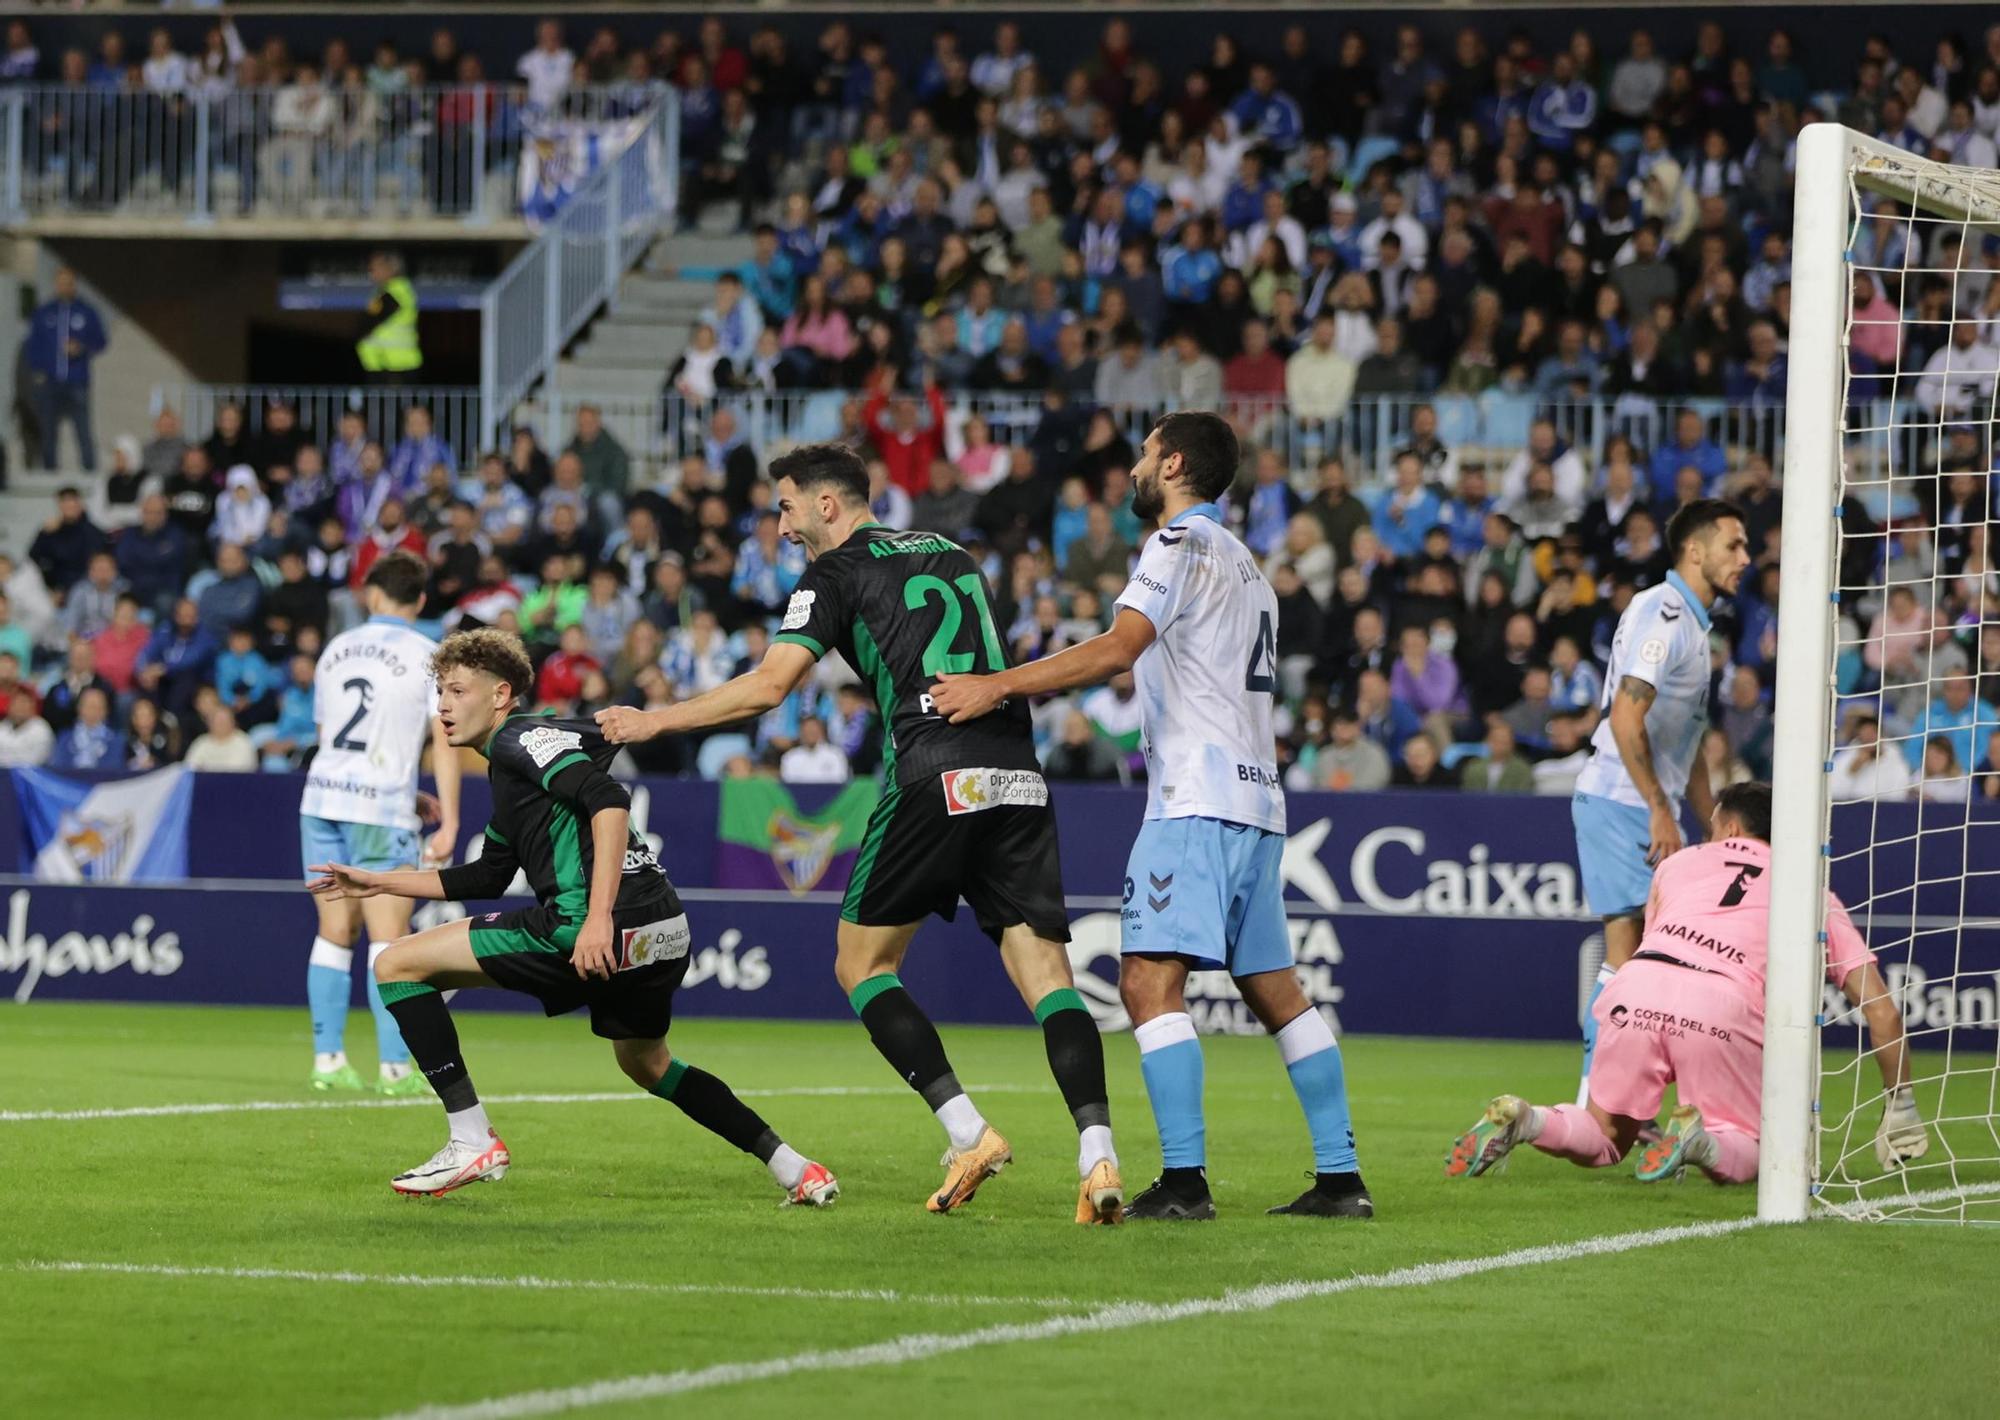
[(1262, 673)]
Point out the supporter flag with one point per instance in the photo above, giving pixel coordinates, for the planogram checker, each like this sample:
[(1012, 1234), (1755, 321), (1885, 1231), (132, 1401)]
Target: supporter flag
[(767, 841), (121, 831), (561, 156)]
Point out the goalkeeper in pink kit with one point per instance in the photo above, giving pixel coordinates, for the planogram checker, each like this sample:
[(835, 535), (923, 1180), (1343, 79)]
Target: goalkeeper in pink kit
[(1688, 1009)]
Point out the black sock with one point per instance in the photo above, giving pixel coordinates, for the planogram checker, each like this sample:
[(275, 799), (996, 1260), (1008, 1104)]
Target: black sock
[(1185, 1183), (425, 1021), (710, 1103), (906, 1038), (1076, 1056), (1339, 1184)]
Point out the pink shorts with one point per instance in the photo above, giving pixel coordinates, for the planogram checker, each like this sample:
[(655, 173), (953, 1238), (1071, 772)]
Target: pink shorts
[(1659, 1024)]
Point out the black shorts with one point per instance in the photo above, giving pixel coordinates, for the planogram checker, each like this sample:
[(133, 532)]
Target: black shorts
[(927, 846), (529, 952)]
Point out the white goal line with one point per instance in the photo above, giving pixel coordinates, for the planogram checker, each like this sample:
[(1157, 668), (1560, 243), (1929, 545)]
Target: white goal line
[(1117, 1316), (535, 1284), (632, 1096)]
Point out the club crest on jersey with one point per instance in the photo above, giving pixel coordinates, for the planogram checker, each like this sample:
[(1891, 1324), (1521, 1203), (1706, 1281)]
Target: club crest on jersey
[(545, 744), (968, 791), (798, 611)]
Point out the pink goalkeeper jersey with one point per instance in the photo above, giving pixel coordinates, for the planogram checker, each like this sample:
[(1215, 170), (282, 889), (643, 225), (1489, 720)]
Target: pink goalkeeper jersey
[(1711, 909)]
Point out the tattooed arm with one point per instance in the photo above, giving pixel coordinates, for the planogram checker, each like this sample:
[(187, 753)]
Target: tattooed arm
[(1635, 746)]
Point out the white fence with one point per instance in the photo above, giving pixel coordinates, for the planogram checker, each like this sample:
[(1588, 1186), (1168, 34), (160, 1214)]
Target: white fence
[(340, 153), (454, 411), (660, 430), (547, 293)]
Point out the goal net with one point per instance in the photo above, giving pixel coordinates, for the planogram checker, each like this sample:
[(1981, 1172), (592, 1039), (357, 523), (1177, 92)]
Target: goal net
[(1887, 767)]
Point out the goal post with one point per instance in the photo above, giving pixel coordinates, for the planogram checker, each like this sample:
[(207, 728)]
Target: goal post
[(1803, 712), (1883, 445)]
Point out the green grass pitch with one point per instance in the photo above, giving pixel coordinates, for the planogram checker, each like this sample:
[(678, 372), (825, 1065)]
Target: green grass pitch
[(1823, 1318)]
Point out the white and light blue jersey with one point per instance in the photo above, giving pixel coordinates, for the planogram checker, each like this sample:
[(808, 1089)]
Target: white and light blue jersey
[(374, 699), (1662, 639), (1207, 683)]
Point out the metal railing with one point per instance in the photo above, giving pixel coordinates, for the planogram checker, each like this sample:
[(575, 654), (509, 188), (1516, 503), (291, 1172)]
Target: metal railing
[(454, 410), (330, 153), (663, 429), (658, 431), (547, 293), (1366, 435)]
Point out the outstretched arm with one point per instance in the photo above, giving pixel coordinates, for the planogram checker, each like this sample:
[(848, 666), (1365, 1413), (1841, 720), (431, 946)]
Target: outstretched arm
[(967, 697), (1901, 1137), (337, 881), (1866, 989), (750, 694)]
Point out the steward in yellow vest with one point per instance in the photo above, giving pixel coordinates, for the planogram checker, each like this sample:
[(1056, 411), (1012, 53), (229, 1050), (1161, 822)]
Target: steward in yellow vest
[(389, 352)]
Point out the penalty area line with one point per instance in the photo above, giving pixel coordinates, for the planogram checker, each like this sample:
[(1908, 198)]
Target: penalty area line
[(536, 1284), (163, 1111), (1117, 1316)]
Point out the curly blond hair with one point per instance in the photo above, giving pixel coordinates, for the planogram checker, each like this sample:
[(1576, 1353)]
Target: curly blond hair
[(498, 653)]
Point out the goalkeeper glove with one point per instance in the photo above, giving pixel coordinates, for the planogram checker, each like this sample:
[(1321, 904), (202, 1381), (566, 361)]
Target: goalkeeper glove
[(1901, 1137)]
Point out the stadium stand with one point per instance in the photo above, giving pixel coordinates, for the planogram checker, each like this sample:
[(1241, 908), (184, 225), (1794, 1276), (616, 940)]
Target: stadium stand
[(1483, 313)]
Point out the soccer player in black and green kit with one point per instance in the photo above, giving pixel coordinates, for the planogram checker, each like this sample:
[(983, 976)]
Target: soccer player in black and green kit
[(607, 933), (964, 809)]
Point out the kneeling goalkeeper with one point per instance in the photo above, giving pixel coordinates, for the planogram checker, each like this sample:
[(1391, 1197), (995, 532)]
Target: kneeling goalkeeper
[(607, 933), (1688, 1009)]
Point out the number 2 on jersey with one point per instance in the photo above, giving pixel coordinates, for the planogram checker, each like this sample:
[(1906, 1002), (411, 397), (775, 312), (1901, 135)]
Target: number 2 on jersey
[(364, 692), (1262, 673), (939, 658)]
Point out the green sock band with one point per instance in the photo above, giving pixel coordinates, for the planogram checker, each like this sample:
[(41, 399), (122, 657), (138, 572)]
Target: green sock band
[(874, 986), (665, 1086), (394, 991), (1063, 998)]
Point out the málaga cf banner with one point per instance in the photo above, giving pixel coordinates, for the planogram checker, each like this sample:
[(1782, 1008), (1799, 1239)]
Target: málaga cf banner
[(767, 841), (122, 831)]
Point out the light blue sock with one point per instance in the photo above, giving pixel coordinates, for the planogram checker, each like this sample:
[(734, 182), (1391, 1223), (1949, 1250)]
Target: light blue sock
[(327, 986), (389, 1047), (1312, 1059), (1604, 974), (1170, 1059)]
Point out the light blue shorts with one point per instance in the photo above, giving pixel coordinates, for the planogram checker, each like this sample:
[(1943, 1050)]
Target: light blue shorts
[(358, 845), (1611, 844), (1210, 891)]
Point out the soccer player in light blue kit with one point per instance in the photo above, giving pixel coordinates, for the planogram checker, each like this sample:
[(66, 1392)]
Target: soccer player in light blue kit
[(376, 705), (1628, 798), (1197, 627)]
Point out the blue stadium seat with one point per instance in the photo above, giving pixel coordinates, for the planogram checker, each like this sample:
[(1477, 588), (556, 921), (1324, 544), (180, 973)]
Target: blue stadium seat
[(1459, 420), (1506, 417), (1367, 154)]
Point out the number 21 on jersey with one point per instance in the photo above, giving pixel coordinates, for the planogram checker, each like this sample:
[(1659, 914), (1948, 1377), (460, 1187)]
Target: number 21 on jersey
[(939, 657)]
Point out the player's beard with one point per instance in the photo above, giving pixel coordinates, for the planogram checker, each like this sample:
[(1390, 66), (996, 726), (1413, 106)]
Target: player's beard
[(1149, 500)]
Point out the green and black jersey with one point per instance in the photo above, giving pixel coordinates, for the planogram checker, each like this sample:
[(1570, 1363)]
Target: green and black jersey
[(902, 608), (546, 776)]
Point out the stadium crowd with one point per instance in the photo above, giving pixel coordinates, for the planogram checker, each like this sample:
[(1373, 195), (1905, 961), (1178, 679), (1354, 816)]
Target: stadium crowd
[(1292, 237)]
